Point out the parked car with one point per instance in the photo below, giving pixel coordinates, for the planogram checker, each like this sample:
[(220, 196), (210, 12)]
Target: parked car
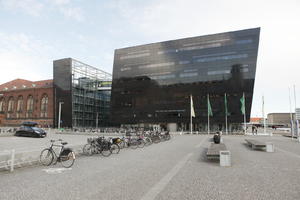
[(29, 130)]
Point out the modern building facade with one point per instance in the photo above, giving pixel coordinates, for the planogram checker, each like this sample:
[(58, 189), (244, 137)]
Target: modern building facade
[(281, 119), (23, 100), (82, 94), (152, 83)]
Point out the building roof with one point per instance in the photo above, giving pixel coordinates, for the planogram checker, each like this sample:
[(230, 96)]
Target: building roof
[(287, 113), (18, 84), (255, 119)]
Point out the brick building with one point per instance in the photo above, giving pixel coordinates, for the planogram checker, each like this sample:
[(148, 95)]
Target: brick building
[(23, 100)]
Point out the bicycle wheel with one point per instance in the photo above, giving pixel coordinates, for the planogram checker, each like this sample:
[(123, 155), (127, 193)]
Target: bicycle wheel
[(114, 148), (105, 150), (148, 141), (133, 144), (122, 144), (46, 157), (168, 137), (87, 150), (156, 140), (68, 160), (141, 143)]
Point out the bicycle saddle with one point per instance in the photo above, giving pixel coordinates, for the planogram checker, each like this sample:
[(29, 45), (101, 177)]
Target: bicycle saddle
[(64, 143)]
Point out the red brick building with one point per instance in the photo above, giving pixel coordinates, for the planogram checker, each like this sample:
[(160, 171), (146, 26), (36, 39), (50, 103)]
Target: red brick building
[(22, 100)]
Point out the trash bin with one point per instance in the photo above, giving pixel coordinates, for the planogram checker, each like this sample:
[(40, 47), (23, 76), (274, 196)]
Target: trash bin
[(225, 158)]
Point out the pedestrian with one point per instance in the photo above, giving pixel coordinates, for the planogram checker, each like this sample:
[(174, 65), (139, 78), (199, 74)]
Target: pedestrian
[(253, 129)]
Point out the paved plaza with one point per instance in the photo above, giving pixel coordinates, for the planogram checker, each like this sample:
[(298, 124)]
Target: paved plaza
[(31, 144), (176, 169)]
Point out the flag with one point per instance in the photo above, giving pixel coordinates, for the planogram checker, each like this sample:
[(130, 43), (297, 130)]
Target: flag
[(243, 104), (225, 102), (192, 107), (209, 110)]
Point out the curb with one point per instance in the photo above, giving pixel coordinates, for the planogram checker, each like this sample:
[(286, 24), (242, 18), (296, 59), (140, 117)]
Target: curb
[(28, 158)]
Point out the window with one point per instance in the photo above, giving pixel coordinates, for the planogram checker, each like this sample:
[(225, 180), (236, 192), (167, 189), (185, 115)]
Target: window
[(125, 69), (184, 62), (200, 47), (10, 104), (157, 65), (184, 75), (19, 106), (134, 56), (29, 106), (10, 108), (228, 57), (167, 51), (243, 41), (44, 106), (168, 76), (2, 104), (205, 42), (218, 72)]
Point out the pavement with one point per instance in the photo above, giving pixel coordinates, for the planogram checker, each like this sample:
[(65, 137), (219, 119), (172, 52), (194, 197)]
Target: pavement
[(21, 144), (176, 169)]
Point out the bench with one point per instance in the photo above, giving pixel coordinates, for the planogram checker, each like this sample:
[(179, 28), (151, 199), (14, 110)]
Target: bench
[(255, 144), (213, 151)]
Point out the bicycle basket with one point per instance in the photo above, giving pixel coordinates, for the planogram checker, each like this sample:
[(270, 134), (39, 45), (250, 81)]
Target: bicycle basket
[(66, 152), (116, 140)]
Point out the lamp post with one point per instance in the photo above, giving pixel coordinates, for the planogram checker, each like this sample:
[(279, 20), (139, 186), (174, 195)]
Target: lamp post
[(59, 113)]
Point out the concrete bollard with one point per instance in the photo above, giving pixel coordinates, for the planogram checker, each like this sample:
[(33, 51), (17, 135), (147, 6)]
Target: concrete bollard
[(225, 158), (269, 147), (12, 161)]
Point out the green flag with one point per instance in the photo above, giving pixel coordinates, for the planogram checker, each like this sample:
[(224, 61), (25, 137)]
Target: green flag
[(209, 110), (225, 102), (243, 104)]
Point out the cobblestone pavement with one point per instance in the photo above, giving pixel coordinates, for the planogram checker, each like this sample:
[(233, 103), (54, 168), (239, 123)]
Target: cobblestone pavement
[(175, 169)]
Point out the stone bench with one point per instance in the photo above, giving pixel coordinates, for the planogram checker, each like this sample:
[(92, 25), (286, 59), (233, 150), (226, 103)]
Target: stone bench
[(213, 151), (255, 144)]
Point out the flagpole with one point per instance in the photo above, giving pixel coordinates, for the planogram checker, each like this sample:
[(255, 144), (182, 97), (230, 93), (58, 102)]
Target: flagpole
[(191, 116), (291, 117), (263, 115), (296, 120), (244, 112), (226, 115), (226, 125), (207, 115)]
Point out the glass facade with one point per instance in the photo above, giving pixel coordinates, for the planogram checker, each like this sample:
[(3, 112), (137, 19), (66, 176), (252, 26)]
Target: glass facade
[(152, 83), (85, 93)]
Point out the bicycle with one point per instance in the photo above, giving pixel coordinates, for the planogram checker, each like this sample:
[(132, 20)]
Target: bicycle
[(66, 156), (100, 145)]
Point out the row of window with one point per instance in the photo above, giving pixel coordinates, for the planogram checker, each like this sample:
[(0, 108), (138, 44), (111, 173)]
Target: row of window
[(20, 106), (201, 59), (189, 48), (193, 73)]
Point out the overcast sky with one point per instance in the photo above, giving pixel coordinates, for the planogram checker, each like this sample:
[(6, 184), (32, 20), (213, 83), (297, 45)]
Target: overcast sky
[(33, 33)]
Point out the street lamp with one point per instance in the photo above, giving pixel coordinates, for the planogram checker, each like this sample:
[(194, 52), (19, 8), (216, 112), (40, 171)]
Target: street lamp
[(59, 113)]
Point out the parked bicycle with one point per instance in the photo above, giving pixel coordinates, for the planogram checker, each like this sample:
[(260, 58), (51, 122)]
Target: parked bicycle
[(66, 156), (100, 145)]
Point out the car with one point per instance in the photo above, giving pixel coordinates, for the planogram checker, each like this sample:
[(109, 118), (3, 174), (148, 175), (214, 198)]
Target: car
[(30, 131)]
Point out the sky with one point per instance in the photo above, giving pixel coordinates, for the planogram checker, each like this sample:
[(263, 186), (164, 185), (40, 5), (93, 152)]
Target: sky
[(33, 33)]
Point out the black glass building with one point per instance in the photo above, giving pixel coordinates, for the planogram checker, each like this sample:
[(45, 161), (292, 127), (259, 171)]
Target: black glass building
[(152, 83), (84, 92)]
